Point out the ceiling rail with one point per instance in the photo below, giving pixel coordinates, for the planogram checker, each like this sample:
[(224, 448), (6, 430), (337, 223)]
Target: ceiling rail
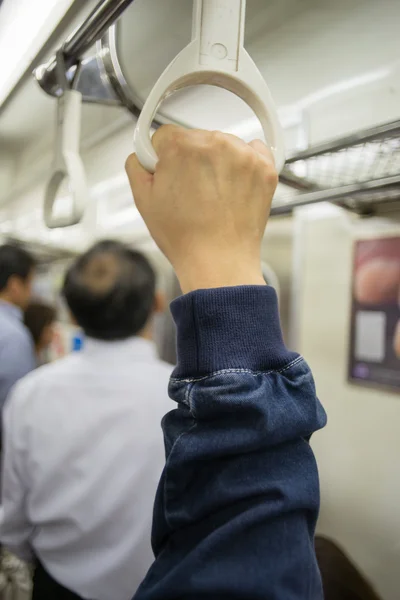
[(80, 41)]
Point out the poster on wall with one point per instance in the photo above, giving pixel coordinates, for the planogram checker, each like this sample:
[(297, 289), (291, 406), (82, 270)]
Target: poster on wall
[(375, 315)]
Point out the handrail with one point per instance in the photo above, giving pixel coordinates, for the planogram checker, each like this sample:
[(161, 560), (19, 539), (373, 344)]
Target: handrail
[(105, 13), (358, 137), (338, 193), (68, 164), (215, 56)]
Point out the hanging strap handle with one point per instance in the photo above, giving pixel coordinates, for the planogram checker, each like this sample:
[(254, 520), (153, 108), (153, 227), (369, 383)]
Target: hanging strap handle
[(67, 163), (215, 56)]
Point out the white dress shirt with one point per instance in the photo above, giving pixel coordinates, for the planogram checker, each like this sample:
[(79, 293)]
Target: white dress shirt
[(83, 453), (17, 354)]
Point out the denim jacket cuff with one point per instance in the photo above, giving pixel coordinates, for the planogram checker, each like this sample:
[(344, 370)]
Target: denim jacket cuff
[(229, 328)]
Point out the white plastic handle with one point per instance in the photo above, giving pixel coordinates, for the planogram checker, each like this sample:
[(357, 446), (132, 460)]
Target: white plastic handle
[(215, 56), (67, 163)]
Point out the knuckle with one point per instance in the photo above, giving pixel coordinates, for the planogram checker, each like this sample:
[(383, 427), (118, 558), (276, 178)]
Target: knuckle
[(217, 138), (212, 143), (198, 142), (179, 140), (165, 131), (271, 175), (167, 138), (246, 159)]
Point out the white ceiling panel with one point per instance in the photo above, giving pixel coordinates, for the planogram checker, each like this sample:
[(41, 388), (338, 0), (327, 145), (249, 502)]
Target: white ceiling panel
[(24, 28)]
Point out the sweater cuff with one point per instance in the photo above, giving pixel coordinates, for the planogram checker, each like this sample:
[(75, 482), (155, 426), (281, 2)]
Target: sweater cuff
[(228, 328)]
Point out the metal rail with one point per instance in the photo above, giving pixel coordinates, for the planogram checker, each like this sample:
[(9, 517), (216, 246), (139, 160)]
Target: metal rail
[(354, 139), (332, 194), (347, 190), (100, 19), (358, 172)]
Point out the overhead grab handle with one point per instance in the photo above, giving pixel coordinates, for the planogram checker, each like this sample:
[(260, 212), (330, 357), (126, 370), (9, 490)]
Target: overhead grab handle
[(67, 162), (215, 56)]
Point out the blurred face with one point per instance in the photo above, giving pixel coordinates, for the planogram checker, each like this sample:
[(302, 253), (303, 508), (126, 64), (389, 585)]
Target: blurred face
[(20, 290)]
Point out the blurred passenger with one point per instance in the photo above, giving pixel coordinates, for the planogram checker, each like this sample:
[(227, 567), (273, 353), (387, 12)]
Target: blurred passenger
[(340, 577), (17, 356), (39, 318), (83, 446)]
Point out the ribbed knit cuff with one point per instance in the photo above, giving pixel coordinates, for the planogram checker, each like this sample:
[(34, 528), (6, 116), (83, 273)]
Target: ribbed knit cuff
[(229, 328)]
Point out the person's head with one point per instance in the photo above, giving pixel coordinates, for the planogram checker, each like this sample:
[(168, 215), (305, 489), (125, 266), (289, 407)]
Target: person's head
[(16, 275), (111, 291), (340, 577), (39, 319)]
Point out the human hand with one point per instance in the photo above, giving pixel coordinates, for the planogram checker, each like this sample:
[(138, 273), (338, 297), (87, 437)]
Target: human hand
[(207, 204)]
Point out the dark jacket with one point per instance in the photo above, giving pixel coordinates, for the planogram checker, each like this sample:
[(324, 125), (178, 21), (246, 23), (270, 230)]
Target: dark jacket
[(238, 501)]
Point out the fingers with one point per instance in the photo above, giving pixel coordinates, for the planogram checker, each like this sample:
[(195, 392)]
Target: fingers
[(264, 150), (140, 180), (236, 141), (166, 136), (169, 134)]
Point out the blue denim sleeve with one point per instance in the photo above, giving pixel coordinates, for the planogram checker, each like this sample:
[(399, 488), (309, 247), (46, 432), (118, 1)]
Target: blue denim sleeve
[(237, 504)]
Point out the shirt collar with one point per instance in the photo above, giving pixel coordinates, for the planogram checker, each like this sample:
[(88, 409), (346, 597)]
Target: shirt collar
[(11, 310), (136, 346)]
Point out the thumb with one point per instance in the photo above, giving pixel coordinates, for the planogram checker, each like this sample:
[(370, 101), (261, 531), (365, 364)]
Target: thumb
[(140, 180)]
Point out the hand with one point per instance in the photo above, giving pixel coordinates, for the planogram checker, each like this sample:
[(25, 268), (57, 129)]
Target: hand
[(207, 204)]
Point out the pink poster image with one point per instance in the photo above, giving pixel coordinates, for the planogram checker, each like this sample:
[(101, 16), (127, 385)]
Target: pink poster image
[(375, 317)]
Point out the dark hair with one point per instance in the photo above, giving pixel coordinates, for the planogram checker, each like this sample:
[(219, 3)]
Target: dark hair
[(38, 316), (14, 261), (340, 577), (110, 291)]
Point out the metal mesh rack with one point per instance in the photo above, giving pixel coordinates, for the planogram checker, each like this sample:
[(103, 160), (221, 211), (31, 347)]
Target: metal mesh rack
[(359, 172)]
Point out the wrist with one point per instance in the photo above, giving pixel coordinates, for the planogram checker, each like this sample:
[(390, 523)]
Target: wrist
[(211, 274)]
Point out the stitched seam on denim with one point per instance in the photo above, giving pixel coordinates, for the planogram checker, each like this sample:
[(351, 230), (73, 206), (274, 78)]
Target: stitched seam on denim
[(186, 399), (227, 371), (167, 471)]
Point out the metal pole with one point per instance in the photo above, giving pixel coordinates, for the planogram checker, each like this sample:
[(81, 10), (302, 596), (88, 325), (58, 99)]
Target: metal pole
[(100, 19), (360, 137), (335, 194)]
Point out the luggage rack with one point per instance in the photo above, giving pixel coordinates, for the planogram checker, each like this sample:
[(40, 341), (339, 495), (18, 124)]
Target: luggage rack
[(360, 172)]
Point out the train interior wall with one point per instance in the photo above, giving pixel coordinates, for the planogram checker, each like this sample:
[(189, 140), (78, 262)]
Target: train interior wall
[(358, 451)]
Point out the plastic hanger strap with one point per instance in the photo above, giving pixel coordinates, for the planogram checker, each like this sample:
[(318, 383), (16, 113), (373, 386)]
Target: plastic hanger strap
[(215, 56), (67, 162)]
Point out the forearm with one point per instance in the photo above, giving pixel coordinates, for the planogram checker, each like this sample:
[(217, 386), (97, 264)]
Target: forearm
[(239, 498)]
